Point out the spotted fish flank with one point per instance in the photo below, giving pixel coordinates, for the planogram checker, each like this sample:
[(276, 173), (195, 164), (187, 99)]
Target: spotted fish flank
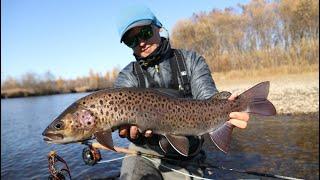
[(96, 115)]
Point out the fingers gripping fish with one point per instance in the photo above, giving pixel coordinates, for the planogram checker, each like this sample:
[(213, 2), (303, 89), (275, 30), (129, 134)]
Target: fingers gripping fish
[(98, 114)]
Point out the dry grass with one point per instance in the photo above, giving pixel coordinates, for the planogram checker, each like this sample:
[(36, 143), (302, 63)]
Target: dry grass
[(17, 92), (268, 73), (292, 91)]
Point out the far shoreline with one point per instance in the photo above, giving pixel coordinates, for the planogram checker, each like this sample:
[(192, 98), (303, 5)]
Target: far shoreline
[(291, 93)]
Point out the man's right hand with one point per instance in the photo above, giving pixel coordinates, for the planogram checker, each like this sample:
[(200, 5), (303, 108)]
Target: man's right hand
[(132, 132)]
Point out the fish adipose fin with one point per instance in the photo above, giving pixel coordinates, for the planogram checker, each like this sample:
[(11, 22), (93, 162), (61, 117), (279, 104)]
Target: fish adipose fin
[(258, 103), (179, 143), (105, 139), (222, 95), (221, 137)]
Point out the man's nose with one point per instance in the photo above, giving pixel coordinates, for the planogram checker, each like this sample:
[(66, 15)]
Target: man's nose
[(142, 42)]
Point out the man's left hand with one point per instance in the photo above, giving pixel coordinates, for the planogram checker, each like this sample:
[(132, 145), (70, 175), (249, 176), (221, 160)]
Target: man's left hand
[(238, 119)]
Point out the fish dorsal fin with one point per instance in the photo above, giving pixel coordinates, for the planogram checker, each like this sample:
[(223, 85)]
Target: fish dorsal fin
[(170, 92), (105, 139), (221, 137), (179, 143), (222, 95)]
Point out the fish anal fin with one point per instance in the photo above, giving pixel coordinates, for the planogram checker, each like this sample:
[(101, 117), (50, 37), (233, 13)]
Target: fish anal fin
[(164, 144), (221, 137), (105, 139), (179, 143)]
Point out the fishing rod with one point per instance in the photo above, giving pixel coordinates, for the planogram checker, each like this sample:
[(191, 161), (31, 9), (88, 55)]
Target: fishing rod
[(91, 156), (207, 166), (148, 156), (249, 172)]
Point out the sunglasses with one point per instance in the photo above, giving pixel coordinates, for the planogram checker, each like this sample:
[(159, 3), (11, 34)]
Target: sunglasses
[(145, 33)]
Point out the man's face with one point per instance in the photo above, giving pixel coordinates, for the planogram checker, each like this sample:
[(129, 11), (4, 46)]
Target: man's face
[(144, 46)]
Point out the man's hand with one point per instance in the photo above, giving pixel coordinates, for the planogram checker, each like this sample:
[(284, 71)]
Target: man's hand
[(132, 132), (239, 119)]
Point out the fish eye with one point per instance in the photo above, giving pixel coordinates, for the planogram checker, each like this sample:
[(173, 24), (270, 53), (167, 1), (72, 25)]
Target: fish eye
[(58, 125)]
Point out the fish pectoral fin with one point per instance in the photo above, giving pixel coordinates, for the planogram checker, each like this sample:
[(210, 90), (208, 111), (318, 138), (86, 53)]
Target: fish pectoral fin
[(221, 137), (179, 143), (105, 139)]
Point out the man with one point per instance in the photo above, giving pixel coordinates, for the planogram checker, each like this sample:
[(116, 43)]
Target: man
[(139, 29)]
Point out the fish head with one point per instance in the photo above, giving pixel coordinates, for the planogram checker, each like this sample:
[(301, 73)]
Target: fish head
[(75, 124)]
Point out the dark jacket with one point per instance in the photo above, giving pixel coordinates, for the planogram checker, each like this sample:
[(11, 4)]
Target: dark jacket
[(201, 82)]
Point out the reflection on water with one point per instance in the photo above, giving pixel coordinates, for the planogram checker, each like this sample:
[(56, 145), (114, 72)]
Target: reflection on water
[(285, 144)]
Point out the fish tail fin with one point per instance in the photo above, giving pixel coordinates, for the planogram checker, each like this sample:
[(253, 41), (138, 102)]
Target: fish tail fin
[(256, 97), (257, 100)]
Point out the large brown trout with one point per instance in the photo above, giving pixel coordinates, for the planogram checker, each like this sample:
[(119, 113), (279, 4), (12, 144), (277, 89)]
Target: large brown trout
[(98, 114)]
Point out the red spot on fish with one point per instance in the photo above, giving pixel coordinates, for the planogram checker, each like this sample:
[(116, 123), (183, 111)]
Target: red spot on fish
[(86, 119)]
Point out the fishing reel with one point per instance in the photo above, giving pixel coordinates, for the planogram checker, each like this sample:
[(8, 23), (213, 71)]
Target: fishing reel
[(91, 155)]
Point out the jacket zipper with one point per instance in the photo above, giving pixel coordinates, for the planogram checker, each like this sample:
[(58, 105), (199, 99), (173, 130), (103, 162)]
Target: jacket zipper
[(157, 67)]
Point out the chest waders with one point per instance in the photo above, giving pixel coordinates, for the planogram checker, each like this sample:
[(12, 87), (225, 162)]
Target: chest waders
[(179, 80)]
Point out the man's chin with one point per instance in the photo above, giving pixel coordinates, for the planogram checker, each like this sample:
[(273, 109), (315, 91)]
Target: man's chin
[(145, 53)]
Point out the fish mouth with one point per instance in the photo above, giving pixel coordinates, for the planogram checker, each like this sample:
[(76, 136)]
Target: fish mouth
[(52, 136)]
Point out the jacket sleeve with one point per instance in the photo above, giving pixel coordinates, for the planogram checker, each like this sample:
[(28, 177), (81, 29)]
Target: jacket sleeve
[(202, 84), (126, 78)]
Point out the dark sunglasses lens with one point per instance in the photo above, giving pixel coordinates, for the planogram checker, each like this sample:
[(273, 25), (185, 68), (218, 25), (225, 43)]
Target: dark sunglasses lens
[(132, 42), (146, 33)]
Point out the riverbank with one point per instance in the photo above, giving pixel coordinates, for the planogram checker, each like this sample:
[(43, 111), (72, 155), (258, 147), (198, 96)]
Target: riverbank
[(290, 93)]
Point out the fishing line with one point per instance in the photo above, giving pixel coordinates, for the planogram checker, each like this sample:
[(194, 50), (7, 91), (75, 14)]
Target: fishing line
[(149, 156), (223, 168), (205, 165), (115, 159), (253, 173), (177, 171)]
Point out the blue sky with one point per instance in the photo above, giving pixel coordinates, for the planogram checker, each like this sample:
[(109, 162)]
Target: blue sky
[(70, 37)]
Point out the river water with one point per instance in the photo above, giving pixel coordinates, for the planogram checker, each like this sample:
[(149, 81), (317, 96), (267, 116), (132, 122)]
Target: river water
[(287, 145)]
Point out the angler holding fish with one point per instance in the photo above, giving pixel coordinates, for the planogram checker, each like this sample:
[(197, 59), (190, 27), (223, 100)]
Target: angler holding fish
[(154, 118)]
